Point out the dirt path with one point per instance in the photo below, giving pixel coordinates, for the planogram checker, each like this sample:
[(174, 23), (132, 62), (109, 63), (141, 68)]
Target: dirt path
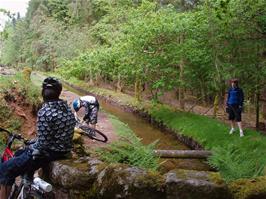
[(104, 125)]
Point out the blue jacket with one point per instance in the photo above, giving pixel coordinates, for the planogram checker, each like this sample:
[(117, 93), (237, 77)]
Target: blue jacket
[(235, 96)]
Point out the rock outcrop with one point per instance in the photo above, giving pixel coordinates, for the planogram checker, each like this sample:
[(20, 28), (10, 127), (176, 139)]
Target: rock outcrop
[(91, 178)]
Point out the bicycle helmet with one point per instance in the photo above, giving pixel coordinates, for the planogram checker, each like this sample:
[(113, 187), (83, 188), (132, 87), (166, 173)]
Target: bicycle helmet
[(76, 104), (235, 80), (52, 83)]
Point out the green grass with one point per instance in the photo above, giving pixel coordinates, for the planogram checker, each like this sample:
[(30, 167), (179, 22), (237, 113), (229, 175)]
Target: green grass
[(233, 156), (129, 149)]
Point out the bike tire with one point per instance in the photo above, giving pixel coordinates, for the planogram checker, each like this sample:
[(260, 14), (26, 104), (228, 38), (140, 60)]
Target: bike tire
[(94, 134), (31, 195), (17, 193)]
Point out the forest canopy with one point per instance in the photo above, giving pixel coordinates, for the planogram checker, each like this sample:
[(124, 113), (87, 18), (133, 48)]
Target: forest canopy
[(168, 45)]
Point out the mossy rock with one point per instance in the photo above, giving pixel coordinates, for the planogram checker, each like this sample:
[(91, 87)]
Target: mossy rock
[(190, 184), (121, 181), (70, 174), (249, 188), (26, 73), (79, 148), (77, 139)]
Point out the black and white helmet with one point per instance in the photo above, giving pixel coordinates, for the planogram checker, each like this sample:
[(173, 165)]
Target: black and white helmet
[(52, 83)]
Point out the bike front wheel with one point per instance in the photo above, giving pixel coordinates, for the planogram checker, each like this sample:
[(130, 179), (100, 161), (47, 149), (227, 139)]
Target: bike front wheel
[(94, 134)]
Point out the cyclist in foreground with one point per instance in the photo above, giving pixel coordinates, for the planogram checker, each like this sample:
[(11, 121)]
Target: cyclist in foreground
[(91, 105), (55, 128)]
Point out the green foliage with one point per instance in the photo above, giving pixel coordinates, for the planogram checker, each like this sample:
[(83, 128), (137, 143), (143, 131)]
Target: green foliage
[(236, 163), (124, 42), (130, 152), (129, 149), (59, 10)]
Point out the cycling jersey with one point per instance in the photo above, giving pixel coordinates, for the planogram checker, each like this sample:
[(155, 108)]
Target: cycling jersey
[(91, 105), (55, 127)]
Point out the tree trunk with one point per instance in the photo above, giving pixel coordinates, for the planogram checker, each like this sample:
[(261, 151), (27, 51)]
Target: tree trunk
[(197, 154), (91, 78), (138, 88), (119, 85), (215, 106), (181, 94), (202, 94), (264, 104), (257, 104)]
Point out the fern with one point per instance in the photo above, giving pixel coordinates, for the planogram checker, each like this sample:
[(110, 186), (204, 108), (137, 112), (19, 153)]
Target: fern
[(230, 162)]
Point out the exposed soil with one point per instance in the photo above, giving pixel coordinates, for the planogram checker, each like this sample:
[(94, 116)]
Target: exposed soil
[(24, 111), (28, 127)]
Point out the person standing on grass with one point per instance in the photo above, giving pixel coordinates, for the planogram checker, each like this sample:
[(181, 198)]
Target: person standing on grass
[(234, 106)]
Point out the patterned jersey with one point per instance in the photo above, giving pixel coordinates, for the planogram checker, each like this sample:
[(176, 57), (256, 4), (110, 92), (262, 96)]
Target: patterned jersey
[(55, 127)]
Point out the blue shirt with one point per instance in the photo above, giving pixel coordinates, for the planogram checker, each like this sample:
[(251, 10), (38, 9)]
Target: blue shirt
[(235, 96)]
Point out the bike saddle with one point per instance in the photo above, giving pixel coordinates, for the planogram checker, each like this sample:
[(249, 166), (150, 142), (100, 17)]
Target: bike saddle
[(37, 154)]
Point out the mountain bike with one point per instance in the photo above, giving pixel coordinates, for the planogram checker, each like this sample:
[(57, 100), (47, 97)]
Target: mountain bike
[(28, 187), (93, 134)]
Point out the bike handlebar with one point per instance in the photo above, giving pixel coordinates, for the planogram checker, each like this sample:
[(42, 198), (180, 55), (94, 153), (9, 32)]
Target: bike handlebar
[(15, 136)]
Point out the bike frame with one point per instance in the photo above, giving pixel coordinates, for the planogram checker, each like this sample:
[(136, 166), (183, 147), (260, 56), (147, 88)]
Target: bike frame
[(7, 154)]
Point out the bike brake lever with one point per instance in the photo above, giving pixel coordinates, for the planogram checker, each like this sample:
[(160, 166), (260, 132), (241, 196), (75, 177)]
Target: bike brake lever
[(18, 136)]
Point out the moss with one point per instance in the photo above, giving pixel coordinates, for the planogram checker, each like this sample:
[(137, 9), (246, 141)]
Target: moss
[(26, 73), (216, 178), (247, 188), (153, 179), (111, 174), (82, 166), (102, 166), (77, 194), (77, 138)]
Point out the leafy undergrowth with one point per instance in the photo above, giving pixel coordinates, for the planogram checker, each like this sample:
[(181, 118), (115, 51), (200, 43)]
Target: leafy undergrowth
[(233, 156), (129, 149)]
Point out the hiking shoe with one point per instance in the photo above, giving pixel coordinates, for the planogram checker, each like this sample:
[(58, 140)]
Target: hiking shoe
[(231, 131)]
